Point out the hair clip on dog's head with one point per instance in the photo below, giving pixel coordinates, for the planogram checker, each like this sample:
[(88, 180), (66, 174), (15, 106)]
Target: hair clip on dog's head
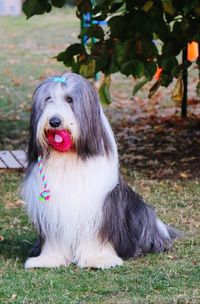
[(59, 79)]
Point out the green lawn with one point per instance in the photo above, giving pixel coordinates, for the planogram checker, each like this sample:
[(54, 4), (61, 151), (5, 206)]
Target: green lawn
[(26, 57), (173, 277)]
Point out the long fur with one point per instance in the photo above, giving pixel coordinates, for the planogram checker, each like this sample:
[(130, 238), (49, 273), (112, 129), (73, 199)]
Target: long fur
[(93, 218)]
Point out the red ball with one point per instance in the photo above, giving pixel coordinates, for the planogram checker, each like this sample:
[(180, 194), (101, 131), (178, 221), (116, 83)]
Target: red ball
[(60, 140)]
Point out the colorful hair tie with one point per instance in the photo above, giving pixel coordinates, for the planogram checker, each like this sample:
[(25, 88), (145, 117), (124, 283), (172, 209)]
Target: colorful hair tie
[(45, 194), (59, 79)]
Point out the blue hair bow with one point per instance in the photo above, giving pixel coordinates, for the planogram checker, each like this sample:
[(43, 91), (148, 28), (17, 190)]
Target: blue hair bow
[(59, 79)]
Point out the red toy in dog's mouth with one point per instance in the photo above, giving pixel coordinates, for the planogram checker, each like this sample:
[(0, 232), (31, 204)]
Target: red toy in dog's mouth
[(60, 140)]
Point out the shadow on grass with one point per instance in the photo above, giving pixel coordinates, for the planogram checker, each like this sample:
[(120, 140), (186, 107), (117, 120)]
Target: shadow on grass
[(16, 247), (13, 134)]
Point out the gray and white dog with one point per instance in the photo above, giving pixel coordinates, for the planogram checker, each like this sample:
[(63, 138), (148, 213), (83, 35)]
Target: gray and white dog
[(93, 218)]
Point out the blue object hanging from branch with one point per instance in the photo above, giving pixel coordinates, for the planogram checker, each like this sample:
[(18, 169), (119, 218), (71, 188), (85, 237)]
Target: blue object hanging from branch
[(86, 21)]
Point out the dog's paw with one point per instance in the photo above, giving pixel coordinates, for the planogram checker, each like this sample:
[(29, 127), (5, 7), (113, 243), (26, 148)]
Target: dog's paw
[(102, 262), (43, 262)]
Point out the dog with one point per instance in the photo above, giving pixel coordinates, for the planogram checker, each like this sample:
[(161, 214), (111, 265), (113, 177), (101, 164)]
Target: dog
[(92, 218)]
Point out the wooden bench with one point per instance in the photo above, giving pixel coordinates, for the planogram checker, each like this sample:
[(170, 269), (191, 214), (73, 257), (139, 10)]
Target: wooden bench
[(13, 160)]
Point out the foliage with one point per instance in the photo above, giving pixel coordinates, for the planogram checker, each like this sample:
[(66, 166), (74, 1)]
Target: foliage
[(29, 53), (129, 43), (38, 7)]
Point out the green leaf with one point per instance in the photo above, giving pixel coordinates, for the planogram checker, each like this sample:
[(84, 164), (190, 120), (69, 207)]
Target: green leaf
[(115, 25), (198, 88), (113, 66), (147, 6), (104, 92), (119, 51), (94, 31), (157, 23), (117, 6), (154, 88), (100, 53), (88, 70), (36, 7), (168, 7), (133, 67), (197, 11), (150, 69), (101, 2), (139, 85), (178, 69), (58, 3), (168, 63), (70, 52)]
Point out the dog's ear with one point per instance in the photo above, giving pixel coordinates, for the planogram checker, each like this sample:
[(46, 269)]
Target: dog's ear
[(33, 147), (93, 139)]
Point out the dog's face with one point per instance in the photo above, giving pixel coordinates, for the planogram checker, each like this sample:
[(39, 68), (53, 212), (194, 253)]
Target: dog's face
[(72, 106), (56, 101)]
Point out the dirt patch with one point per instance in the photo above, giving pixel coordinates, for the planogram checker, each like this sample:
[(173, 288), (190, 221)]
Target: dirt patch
[(157, 145)]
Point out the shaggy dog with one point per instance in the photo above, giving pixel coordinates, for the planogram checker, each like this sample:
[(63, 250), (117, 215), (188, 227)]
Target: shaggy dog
[(92, 218)]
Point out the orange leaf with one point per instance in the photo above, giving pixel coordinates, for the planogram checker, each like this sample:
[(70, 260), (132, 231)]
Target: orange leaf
[(158, 73), (192, 51)]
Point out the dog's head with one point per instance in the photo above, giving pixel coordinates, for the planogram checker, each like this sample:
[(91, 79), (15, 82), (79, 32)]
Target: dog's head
[(70, 105)]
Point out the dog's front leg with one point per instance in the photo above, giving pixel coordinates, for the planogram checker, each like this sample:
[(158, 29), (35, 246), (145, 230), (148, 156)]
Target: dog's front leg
[(94, 254), (37, 247), (51, 255)]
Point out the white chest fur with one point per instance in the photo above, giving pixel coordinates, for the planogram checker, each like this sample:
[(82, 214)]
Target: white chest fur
[(77, 192)]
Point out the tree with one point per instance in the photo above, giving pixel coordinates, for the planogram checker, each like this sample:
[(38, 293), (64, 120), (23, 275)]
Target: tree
[(129, 42)]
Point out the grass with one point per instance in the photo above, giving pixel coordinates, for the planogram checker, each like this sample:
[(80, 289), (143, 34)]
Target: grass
[(26, 57), (172, 277)]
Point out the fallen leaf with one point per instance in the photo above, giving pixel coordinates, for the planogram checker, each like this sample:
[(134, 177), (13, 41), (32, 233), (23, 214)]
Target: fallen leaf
[(173, 257), (183, 175), (13, 297), (17, 81)]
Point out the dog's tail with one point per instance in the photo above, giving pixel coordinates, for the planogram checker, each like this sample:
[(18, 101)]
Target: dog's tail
[(166, 235), (132, 226)]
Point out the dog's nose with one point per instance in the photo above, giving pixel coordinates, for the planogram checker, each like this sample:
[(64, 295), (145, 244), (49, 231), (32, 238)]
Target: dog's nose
[(55, 122)]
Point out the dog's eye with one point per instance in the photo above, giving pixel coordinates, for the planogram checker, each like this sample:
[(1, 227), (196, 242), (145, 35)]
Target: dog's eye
[(47, 99), (68, 99)]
